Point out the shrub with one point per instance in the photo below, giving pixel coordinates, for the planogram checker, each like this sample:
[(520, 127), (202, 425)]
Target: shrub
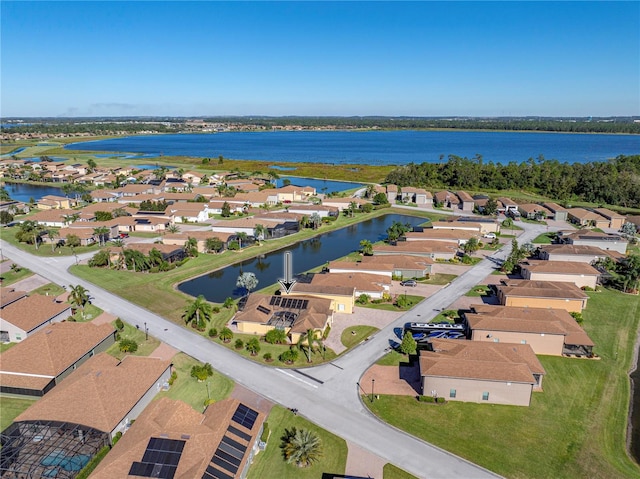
[(577, 316), (239, 343), (268, 357), (226, 334), (289, 356), (128, 345), (201, 373), (215, 309), (117, 437), (276, 336), (172, 379), (213, 332), (363, 299), (265, 432), (228, 303), (119, 324)]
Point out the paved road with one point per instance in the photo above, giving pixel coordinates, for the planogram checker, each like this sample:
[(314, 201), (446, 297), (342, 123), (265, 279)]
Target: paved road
[(327, 395)]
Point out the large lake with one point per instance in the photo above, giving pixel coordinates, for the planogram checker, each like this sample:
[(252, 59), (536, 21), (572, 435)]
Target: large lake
[(219, 285), (376, 147)]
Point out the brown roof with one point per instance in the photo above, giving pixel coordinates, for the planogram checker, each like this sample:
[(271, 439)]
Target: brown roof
[(441, 234), (400, 261), (49, 352), (30, 312), (554, 207), (52, 215), (10, 295), (338, 290), (542, 289), (176, 420), (259, 310), (583, 214), (560, 267), (528, 320), (360, 281), (608, 213), (480, 360), (464, 196), (340, 266), (100, 393), (408, 247), (570, 249)]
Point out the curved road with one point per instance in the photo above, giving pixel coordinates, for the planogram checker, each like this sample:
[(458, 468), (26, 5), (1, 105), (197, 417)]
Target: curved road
[(328, 394)]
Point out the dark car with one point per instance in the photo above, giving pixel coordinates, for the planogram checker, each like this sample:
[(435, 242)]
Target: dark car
[(409, 282)]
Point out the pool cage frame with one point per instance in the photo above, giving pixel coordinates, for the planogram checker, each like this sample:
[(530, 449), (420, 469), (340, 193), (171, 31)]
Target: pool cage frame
[(37, 449)]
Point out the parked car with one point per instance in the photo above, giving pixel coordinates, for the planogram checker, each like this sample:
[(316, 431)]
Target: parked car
[(124, 235), (409, 282), (489, 235)]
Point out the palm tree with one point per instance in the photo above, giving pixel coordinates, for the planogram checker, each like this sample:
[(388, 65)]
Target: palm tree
[(226, 334), (259, 232), (629, 270), (315, 220), (197, 312), (101, 232), (53, 234), (191, 247), (370, 191), (214, 244), (301, 447), (253, 346), (309, 338), (173, 228), (366, 247), (242, 236), (79, 296)]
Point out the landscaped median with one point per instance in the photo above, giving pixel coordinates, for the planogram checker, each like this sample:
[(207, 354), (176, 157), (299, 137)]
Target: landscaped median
[(576, 427)]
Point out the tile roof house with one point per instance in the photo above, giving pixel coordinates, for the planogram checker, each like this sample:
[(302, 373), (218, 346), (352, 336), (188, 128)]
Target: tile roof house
[(30, 314), (459, 237), (295, 314), (558, 212), (404, 266), (466, 201), (427, 249), (546, 330), (534, 211), (586, 237), (581, 274), (493, 373), (219, 443), (373, 285), (542, 294), (569, 252), (34, 366), (616, 220), (104, 393), (583, 217)]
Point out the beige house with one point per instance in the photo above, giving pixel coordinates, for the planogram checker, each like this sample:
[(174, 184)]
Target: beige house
[(373, 285), (542, 294), (51, 202), (459, 237), (587, 218), (546, 330), (404, 266), (607, 242), (295, 314), (581, 274), (34, 366), (427, 249), (466, 201), (493, 373), (219, 443), (384, 269), (558, 213), (533, 211), (342, 296), (579, 253), (180, 239), (457, 225), (616, 220), (29, 314)]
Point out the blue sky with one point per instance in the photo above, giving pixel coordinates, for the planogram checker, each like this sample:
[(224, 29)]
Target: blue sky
[(320, 58)]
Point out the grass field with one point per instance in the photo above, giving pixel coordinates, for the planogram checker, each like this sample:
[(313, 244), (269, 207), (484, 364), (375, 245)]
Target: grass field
[(578, 424), (392, 472), (356, 334), (270, 463), (544, 238), (50, 289), (189, 390), (412, 300), (145, 346), (12, 276), (10, 408), (5, 346)]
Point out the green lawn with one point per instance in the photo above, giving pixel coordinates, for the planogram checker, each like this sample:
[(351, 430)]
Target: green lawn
[(578, 424), (392, 472), (354, 335), (411, 302), (393, 358), (145, 346), (544, 238), (270, 464), (13, 276), (5, 346), (51, 289), (90, 312), (479, 290), (189, 390), (440, 279), (44, 249), (10, 408)]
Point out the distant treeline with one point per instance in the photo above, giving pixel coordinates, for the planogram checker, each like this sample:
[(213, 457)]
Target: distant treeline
[(614, 182), (133, 125)]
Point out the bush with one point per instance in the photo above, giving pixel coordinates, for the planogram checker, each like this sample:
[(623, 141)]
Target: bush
[(289, 356), (265, 432), (577, 316), (363, 299), (93, 463), (172, 379), (119, 324), (215, 309), (239, 343), (325, 335), (116, 438), (213, 332), (229, 303), (201, 373), (128, 345), (268, 357)]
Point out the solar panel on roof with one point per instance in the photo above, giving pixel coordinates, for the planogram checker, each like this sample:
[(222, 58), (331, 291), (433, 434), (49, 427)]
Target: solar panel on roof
[(212, 473), (239, 433), (160, 459), (264, 310), (245, 416), (305, 303), (224, 464), (229, 457), (234, 444)]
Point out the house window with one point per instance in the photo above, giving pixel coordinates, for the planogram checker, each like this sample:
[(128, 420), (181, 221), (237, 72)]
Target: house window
[(452, 393), (485, 396), (523, 341), (340, 307)]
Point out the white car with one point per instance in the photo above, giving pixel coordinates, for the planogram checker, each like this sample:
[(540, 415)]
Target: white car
[(489, 236)]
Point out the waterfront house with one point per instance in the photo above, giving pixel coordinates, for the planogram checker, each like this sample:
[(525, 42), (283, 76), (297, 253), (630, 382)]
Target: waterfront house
[(404, 266), (428, 249), (492, 373)]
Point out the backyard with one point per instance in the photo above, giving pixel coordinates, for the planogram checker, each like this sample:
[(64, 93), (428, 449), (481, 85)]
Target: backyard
[(578, 424)]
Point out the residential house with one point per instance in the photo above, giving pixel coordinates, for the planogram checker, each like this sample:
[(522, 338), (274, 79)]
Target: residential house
[(104, 393), (635, 219), (343, 203), (55, 218), (446, 199), (175, 440), (582, 275), (383, 269), (323, 211), (376, 286), (180, 239), (188, 212), (22, 318), (50, 202), (542, 294), (404, 266), (495, 373), (533, 211), (458, 237), (392, 193), (605, 241), (428, 249), (342, 296), (616, 220), (457, 225), (570, 252), (586, 218), (37, 364), (105, 196), (292, 193), (487, 223), (507, 205), (558, 213), (465, 201), (548, 331), (295, 314), (193, 178)]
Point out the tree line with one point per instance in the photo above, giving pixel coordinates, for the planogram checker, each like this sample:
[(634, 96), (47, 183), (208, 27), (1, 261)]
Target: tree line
[(614, 182)]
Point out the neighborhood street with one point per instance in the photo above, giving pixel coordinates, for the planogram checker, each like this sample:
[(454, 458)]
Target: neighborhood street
[(328, 394)]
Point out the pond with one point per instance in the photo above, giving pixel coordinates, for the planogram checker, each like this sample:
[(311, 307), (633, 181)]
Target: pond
[(308, 254), (321, 186), (24, 191)]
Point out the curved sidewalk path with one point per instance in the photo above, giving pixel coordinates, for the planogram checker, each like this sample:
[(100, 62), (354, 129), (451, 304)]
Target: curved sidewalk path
[(328, 394)]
